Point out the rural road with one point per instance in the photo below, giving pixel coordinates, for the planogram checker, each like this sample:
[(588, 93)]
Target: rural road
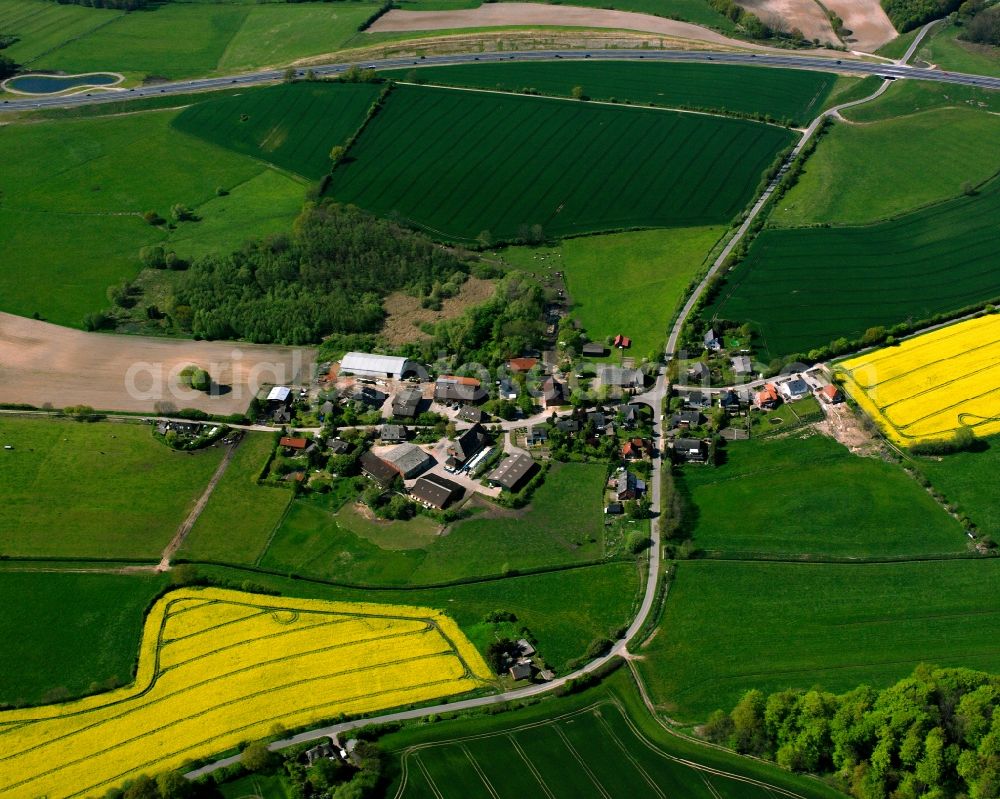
[(825, 64), (653, 397)]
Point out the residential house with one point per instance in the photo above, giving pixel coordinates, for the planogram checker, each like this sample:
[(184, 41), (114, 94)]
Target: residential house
[(569, 424), (367, 395), (598, 419), (513, 472), (742, 366), (622, 342), (729, 401), (324, 750), (325, 409), (393, 433), (521, 671), (831, 395), (614, 509), (630, 415), (527, 650), (406, 403), (293, 445), (436, 492), (628, 486), (768, 399), (685, 420), (615, 376), (538, 435), (469, 413), (507, 390), (337, 446), (553, 393), (690, 450), (374, 468), (522, 365), (794, 389), (699, 372), (697, 400), (636, 448), (712, 341)]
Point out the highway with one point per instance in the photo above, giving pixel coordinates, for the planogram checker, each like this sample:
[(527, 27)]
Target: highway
[(791, 60)]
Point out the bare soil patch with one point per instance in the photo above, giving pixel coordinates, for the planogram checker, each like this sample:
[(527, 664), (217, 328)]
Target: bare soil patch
[(43, 363), (806, 15), (404, 314), (843, 425), (491, 15), (866, 20)]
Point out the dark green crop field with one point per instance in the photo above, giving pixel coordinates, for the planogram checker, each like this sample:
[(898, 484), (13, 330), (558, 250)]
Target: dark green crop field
[(601, 742), (792, 94), (805, 287), (292, 126), (457, 163), (968, 480), (732, 626), (820, 501)]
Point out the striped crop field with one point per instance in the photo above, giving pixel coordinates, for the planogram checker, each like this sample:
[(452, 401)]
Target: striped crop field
[(457, 163), (802, 288), (930, 385), (217, 667)]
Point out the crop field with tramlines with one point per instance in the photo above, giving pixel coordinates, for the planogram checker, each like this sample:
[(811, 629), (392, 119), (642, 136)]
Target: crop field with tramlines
[(930, 385), (804, 287), (292, 126), (792, 94), (217, 667), (597, 751), (457, 163)]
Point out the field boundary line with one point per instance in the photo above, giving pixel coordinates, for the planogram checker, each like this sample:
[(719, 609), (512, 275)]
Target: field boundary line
[(479, 770), (579, 759), (430, 780), (530, 766), (628, 755)]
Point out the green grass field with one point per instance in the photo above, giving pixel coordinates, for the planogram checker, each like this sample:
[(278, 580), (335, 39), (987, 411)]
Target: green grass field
[(325, 537), (790, 94), (240, 516), (912, 96), (72, 204), (729, 627), (861, 173), (809, 496), (947, 51), (965, 479), (177, 40), (804, 287), (98, 490), (601, 742), (568, 166), (69, 631), (292, 126), (625, 282)]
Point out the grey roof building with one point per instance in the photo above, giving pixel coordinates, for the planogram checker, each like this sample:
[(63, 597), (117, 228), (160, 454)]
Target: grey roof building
[(373, 467), (512, 473), (393, 433), (468, 444), (407, 402), (436, 492), (742, 365), (594, 349), (690, 449), (408, 459)]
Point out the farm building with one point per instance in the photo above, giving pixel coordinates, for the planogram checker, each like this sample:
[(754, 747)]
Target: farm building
[(794, 389), (520, 671), (279, 402), (622, 342), (512, 473), (768, 399), (742, 365), (831, 395), (367, 395), (392, 433), (406, 403), (408, 459), (594, 349), (690, 450), (386, 367), (436, 492), (449, 388), (374, 468), (467, 446)]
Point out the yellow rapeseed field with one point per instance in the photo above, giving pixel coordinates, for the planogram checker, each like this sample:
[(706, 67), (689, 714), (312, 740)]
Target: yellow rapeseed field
[(217, 667), (929, 386)]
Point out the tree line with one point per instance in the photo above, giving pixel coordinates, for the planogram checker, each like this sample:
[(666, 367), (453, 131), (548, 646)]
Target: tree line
[(934, 734)]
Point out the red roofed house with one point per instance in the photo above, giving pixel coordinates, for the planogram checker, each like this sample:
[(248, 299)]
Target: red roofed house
[(293, 443), (522, 364), (635, 448), (768, 399), (831, 395)]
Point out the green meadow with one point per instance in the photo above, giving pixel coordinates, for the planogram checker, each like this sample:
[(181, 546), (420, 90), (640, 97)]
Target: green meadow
[(821, 501), (965, 479), (94, 490), (732, 626)]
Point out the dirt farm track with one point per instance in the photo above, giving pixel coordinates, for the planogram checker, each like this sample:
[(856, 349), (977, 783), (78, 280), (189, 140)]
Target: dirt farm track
[(41, 364)]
